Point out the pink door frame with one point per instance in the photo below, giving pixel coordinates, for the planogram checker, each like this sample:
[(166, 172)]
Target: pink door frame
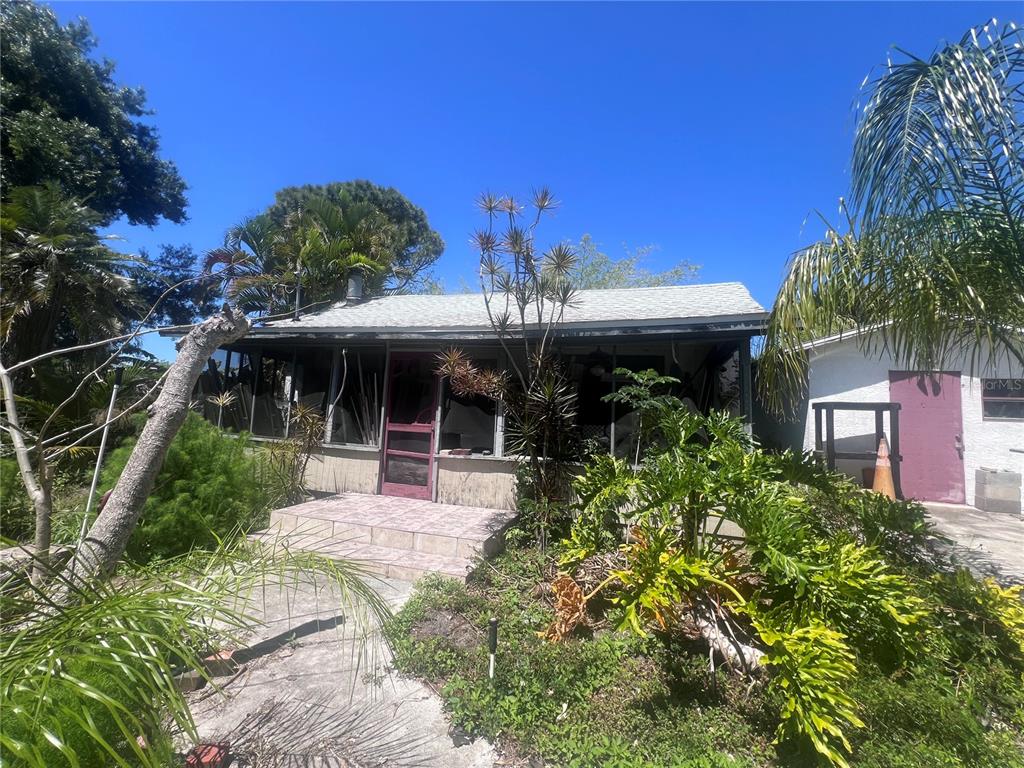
[(931, 434), (406, 490)]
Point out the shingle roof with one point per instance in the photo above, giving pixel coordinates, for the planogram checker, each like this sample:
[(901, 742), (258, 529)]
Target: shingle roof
[(611, 308)]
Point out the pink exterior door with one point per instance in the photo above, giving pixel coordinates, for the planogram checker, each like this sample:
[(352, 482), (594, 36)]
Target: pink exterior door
[(408, 460), (931, 435)]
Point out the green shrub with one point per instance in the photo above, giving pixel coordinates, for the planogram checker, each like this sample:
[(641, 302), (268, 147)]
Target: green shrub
[(211, 484), (82, 723), (920, 721), (835, 585), (17, 516)]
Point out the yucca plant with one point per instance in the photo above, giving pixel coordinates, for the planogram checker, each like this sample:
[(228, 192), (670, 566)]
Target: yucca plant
[(525, 290), (89, 678)]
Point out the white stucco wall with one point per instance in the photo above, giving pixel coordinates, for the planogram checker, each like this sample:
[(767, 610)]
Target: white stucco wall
[(840, 371)]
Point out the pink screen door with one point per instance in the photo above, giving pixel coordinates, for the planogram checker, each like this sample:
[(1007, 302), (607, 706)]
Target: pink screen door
[(408, 464), (931, 435)]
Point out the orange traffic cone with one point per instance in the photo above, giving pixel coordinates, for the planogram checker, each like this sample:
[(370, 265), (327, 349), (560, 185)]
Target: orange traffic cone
[(883, 471)]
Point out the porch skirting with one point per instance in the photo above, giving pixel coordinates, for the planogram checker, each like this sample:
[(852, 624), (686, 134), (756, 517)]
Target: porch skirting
[(468, 481)]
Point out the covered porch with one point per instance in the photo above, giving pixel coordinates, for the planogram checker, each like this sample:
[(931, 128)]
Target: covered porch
[(391, 426), (363, 372)]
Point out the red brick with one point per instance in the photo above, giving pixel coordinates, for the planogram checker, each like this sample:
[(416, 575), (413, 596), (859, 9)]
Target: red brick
[(208, 756)]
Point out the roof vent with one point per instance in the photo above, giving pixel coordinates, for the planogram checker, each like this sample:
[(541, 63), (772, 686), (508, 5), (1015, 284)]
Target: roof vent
[(355, 287)]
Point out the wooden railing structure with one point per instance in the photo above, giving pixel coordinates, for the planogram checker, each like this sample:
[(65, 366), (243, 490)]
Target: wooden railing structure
[(825, 444)]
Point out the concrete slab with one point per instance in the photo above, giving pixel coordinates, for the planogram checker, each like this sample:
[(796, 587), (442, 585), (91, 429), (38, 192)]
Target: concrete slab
[(989, 543), (313, 692)]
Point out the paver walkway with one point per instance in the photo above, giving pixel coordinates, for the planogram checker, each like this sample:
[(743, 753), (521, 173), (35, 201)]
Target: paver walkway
[(316, 695), (989, 543)]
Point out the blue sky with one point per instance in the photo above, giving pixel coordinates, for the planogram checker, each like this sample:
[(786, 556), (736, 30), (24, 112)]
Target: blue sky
[(711, 130)]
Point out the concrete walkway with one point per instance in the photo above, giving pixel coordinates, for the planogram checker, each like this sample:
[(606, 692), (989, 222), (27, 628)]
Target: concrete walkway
[(988, 543), (316, 694)]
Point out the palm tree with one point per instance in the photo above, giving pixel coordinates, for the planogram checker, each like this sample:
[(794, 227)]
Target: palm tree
[(89, 677), (59, 276), (338, 239), (930, 264), (316, 247), (253, 266)]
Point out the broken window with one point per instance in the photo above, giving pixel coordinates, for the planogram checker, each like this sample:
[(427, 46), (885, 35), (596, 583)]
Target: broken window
[(358, 397), (468, 421), (224, 389)]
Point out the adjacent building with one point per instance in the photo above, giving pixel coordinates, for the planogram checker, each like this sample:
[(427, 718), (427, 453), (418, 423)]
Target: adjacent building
[(961, 429)]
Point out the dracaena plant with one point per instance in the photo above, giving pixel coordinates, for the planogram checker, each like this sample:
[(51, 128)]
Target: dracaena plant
[(526, 289)]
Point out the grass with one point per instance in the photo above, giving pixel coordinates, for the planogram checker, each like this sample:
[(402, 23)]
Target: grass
[(613, 699)]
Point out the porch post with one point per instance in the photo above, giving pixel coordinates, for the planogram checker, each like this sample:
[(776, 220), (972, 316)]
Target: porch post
[(435, 438), (291, 396), (746, 386), (257, 373), (611, 427), (332, 394), (499, 413), (385, 394), (225, 382)]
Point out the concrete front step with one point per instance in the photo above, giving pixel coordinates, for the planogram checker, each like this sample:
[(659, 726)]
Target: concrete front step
[(397, 538), (433, 529), (387, 562)]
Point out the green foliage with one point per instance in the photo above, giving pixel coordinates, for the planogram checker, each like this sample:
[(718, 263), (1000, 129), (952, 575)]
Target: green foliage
[(857, 593), (812, 665), (930, 263), (67, 121), (832, 574), (920, 721), (211, 485), (609, 700), (978, 619), (85, 675), (831, 583), (525, 292), (413, 245), (317, 237), (659, 578), (57, 270), (595, 269), (17, 515)]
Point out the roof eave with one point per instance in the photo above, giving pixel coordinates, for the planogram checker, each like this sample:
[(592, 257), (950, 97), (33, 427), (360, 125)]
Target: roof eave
[(753, 323)]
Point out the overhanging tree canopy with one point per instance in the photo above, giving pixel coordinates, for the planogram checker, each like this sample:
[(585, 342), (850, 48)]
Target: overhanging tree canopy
[(65, 120), (413, 244), (931, 264)]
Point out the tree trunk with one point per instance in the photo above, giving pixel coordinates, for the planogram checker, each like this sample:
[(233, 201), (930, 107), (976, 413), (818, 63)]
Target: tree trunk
[(105, 543), (42, 502), (37, 486)]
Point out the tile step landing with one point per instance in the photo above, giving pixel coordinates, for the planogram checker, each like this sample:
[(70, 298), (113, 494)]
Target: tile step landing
[(392, 537), (386, 562)]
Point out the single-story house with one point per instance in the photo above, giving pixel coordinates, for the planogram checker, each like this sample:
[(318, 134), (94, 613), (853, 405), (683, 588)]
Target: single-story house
[(961, 431), (392, 426)]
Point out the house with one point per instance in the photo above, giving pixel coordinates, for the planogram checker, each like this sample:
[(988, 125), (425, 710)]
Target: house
[(367, 366), (961, 431)]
